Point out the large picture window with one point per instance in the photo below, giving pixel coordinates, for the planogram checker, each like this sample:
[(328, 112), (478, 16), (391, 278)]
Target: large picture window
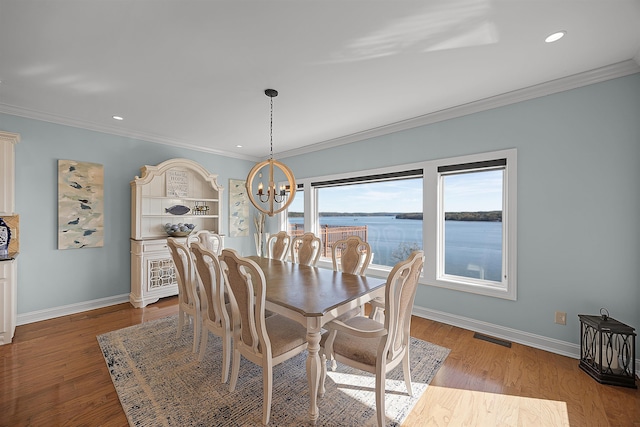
[(460, 211)]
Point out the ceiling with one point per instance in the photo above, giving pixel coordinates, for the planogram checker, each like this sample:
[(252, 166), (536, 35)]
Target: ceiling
[(193, 73)]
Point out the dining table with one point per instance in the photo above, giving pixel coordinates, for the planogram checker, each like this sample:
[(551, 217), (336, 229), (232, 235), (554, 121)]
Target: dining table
[(314, 296)]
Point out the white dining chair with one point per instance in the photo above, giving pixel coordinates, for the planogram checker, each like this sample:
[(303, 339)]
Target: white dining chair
[(365, 344), (209, 239), (351, 255), (188, 295), (215, 316), (278, 245), (263, 341), (306, 249)]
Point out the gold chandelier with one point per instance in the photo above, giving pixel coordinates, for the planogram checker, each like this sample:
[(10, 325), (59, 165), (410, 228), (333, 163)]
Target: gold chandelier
[(271, 201)]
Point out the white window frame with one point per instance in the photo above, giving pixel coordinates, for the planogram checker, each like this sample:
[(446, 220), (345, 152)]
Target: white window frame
[(433, 223), (433, 274)]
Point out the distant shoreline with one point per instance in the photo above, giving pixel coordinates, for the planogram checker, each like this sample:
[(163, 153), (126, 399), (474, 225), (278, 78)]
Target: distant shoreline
[(491, 216)]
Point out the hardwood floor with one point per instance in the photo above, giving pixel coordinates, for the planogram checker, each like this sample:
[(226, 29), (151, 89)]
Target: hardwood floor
[(53, 374)]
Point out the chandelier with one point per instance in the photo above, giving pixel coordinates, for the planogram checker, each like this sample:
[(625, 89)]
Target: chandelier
[(273, 200)]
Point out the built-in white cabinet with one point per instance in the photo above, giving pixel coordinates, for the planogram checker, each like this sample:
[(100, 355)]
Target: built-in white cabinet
[(7, 172), (8, 263), (8, 293), (159, 196)]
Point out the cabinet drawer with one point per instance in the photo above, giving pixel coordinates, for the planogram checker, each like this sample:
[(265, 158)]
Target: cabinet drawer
[(155, 247)]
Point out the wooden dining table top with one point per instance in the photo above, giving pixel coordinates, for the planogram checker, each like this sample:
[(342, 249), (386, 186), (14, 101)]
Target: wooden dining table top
[(312, 291)]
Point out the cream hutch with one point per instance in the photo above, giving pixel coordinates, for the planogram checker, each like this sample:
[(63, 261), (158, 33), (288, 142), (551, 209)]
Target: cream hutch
[(8, 261), (159, 196)]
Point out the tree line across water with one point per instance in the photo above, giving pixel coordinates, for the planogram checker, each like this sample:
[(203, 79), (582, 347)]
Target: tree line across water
[(493, 216)]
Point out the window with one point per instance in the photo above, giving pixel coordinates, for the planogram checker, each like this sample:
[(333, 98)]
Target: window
[(473, 224), (462, 211), (385, 213), (295, 214)]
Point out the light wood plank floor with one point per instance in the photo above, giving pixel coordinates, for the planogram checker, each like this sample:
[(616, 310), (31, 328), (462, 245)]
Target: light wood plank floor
[(53, 374)]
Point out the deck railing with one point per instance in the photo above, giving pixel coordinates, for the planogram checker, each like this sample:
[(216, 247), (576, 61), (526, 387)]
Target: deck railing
[(331, 234)]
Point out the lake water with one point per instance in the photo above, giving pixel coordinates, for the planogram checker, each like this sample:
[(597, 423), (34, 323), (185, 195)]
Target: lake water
[(472, 248)]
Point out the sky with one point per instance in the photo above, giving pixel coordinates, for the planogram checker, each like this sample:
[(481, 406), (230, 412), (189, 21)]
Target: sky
[(469, 192)]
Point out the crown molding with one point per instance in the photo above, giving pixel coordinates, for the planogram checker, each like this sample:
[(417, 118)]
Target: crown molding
[(598, 75), (143, 136)]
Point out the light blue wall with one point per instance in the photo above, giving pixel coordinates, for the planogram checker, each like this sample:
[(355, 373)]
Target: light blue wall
[(578, 201), (48, 277), (578, 204)]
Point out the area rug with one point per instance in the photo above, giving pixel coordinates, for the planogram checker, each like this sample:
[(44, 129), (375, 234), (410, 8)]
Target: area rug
[(161, 383)]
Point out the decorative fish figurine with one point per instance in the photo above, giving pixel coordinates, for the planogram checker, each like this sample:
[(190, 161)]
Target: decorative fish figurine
[(177, 210)]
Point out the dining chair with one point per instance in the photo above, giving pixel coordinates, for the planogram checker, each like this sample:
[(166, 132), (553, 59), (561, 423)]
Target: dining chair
[(278, 245), (209, 239), (215, 316), (263, 341), (188, 295), (351, 255), (365, 344), (305, 249)]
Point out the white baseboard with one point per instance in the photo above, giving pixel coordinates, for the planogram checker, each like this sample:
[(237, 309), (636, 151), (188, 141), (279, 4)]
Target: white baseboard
[(532, 340), (50, 313)]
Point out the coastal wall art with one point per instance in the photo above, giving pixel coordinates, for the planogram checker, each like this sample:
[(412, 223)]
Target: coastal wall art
[(238, 209), (80, 204)]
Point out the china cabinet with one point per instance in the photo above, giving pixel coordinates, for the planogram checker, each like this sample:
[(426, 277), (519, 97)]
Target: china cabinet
[(177, 191), (8, 262)]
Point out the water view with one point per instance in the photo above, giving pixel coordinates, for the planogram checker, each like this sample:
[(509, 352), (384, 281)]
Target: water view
[(472, 248)]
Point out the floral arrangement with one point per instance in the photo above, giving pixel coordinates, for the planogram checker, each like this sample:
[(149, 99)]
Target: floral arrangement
[(260, 236)]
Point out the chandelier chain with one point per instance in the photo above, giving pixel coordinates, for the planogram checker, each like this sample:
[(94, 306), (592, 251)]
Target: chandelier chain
[(271, 128)]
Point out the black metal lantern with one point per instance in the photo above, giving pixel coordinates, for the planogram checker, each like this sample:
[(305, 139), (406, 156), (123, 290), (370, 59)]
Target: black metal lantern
[(607, 350)]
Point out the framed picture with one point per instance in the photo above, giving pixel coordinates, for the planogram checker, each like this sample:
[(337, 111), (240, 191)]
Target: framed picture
[(80, 204), (238, 209)]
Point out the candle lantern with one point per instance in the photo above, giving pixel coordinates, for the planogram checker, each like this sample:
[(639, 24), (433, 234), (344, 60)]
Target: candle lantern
[(607, 350)]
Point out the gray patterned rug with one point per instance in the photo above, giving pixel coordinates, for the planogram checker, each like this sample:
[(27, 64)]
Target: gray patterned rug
[(161, 383)]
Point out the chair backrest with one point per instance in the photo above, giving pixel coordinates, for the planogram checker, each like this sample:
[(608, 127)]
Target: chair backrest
[(305, 249), (183, 264), (400, 292), (247, 287), (212, 283), (278, 245), (351, 255), (209, 239)]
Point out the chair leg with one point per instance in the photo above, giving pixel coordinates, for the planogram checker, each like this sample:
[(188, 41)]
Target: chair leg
[(196, 332), (380, 381), (181, 315), (328, 349), (203, 343), (267, 387), (226, 356), (406, 369), (235, 369), (323, 374)]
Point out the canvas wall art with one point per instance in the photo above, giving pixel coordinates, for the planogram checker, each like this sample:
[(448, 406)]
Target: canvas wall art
[(80, 204), (238, 209)]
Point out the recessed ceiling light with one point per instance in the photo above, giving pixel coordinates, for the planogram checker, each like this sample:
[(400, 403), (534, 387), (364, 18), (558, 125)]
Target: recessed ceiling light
[(555, 36), (238, 146), (118, 118)]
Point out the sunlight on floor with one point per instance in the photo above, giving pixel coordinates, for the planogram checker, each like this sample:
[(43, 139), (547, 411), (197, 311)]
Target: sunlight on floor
[(455, 407), (363, 385)]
